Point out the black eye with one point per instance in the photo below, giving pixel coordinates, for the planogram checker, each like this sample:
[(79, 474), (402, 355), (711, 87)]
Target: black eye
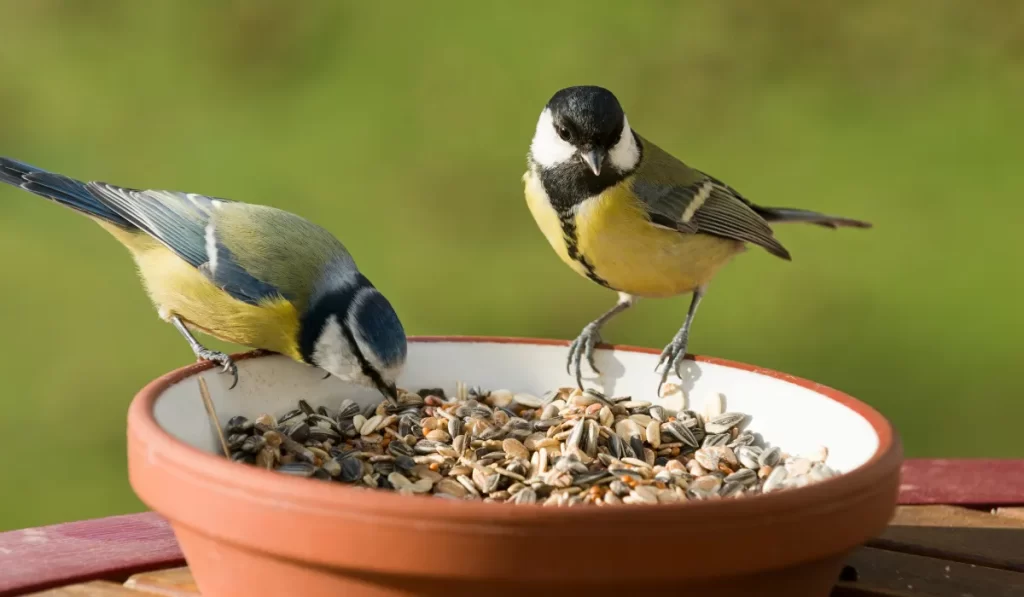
[(562, 132)]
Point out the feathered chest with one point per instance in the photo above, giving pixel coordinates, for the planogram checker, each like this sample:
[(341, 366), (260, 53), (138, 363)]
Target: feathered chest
[(610, 239)]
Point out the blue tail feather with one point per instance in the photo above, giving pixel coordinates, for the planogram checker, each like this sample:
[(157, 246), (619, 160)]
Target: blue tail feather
[(61, 189)]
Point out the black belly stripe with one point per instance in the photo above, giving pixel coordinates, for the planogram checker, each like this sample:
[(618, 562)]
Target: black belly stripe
[(567, 220)]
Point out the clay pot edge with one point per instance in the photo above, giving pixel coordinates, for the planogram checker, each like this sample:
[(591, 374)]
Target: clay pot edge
[(390, 508)]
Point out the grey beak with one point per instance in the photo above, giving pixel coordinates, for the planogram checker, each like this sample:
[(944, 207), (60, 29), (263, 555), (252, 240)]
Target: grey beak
[(390, 392), (593, 158)]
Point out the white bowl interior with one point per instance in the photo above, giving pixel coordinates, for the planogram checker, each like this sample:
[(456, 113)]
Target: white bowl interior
[(795, 418)]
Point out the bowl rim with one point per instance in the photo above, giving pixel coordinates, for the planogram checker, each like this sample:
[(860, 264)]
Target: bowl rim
[(388, 508)]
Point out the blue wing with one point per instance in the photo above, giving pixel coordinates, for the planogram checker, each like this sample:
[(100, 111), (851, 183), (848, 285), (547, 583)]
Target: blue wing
[(186, 224)]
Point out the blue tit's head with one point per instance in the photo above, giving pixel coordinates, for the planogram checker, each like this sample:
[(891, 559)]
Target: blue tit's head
[(584, 128), (351, 331)]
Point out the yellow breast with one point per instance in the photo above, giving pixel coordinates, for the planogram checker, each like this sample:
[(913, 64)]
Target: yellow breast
[(177, 288), (547, 220), (632, 255)]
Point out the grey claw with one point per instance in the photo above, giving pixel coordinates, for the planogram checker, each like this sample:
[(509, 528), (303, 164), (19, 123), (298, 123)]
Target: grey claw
[(582, 346), (579, 369), (568, 361), (227, 364), (672, 357), (680, 359), (590, 359)]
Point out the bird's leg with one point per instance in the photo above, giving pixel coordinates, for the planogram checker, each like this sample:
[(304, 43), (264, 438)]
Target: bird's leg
[(674, 354), (204, 353), (583, 345)]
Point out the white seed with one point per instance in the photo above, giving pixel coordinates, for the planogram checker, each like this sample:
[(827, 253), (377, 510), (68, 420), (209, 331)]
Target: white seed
[(515, 448), (653, 433), (626, 429), (550, 411), (714, 405), (641, 420), (695, 468), (370, 425), (438, 435), (399, 481), (672, 398), (527, 400), (423, 472), (500, 398), (798, 467), (451, 487), (646, 493), (422, 486)]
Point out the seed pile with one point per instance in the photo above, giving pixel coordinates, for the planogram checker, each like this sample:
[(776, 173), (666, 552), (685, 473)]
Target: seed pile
[(565, 449)]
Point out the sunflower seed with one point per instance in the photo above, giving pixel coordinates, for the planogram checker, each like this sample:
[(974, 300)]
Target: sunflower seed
[(299, 469), (770, 457), (724, 422), (524, 496), (749, 456), (744, 476), (681, 432)]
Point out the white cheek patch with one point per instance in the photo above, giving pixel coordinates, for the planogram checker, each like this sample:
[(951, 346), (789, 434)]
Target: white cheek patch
[(548, 149), (332, 354), (625, 155)]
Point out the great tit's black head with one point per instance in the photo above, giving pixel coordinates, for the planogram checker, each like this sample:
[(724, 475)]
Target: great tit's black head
[(351, 331), (585, 124)]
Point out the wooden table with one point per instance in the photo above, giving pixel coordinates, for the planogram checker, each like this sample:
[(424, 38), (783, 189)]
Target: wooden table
[(959, 532)]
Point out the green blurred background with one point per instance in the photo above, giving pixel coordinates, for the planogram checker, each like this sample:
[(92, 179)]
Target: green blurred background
[(403, 129)]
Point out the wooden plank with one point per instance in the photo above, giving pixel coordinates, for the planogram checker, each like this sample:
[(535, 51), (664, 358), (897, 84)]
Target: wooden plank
[(174, 582), (956, 534), (1014, 513), (881, 570), (107, 548), (963, 481), (951, 516), (96, 588)]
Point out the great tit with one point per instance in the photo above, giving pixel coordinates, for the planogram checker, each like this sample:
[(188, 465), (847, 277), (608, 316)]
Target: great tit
[(248, 274), (629, 216)]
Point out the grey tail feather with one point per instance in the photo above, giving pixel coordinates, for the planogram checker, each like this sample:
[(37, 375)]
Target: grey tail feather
[(61, 189), (786, 214)]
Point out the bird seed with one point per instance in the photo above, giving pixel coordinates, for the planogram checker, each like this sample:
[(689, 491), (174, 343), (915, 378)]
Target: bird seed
[(563, 449)]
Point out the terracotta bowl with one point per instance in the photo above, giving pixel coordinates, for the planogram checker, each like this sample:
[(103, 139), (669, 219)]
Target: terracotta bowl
[(246, 531)]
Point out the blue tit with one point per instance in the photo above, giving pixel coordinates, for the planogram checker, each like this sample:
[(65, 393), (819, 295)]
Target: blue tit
[(621, 211), (247, 274)]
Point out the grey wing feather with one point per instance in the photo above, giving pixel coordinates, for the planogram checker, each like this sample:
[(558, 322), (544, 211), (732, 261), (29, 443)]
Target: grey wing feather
[(665, 204), (185, 223), (727, 214), (682, 198), (173, 218)]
